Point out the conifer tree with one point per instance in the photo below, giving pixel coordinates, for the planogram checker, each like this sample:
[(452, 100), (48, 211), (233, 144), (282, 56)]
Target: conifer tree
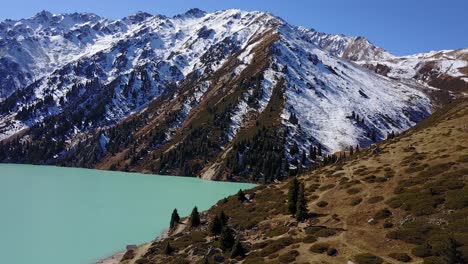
[(292, 195), (294, 149), (319, 152), (168, 249), (194, 220), (351, 150), (301, 209), (216, 226), (241, 196), (373, 135), (223, 218), (226, 239), (237, 249), (313, 153), (175, 218)]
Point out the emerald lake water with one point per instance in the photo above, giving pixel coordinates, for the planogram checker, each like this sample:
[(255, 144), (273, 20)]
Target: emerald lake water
[(52, 215)]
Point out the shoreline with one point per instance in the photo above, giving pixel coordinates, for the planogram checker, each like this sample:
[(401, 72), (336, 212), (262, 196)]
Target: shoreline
[(116, 257)]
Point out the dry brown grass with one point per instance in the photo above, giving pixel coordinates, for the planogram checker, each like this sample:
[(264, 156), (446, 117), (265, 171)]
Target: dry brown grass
[(379, 207)]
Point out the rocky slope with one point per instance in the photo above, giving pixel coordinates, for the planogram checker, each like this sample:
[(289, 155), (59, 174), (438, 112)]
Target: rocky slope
[(219, 95), (442, 73), (444, 70), (403, 200)]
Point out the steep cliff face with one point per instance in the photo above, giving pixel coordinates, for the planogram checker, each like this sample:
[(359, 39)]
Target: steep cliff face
[(220, 95)]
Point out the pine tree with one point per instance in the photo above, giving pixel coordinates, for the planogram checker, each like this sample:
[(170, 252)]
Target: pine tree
[(194, 220), (216, 226), (168, 249), (175, 219), (226, 239), (319, 152), (351, 150), (301, 208), (223, 218), (237, 249), (241, 196), (373, 135), (292, 195), (313, 153)]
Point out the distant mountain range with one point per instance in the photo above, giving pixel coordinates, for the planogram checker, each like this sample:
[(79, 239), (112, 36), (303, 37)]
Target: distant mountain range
[(229, 95)]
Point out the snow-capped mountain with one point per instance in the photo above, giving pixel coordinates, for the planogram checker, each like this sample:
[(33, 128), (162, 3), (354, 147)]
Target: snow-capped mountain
[(199, 93), (34, 47), (444, 70), (351, 48)]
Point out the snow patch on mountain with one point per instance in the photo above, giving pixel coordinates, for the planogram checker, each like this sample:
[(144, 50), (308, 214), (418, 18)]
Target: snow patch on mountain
[(323, 91)]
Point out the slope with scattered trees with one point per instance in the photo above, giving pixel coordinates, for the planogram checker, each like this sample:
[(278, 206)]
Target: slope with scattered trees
[(403, 200)]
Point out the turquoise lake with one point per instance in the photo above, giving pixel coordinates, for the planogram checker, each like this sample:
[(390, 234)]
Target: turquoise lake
[(53, 215)]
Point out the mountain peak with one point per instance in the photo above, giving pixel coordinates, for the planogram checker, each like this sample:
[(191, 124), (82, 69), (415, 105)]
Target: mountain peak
[(192, 13), (44, 15), (138, 17), (196, 12)]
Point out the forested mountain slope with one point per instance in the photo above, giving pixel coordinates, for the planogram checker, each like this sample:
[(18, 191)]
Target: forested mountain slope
[(202, 94)]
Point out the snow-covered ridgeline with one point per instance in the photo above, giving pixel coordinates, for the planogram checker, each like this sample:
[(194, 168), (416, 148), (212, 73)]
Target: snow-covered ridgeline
[(323, 91), (167, 48)]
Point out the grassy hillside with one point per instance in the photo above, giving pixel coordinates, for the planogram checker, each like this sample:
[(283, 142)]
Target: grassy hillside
[(404, 200)]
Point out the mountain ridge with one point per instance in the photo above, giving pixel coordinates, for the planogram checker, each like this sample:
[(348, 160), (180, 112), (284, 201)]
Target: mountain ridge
[(169, 86)]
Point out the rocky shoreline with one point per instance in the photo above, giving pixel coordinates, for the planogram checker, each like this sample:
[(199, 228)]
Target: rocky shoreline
[(114, 259), (117, 257)]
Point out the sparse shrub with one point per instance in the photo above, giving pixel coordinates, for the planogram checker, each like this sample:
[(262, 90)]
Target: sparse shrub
[(422, 251), (326, 187), (289, 257), (387, 224), (325, 232), (322, 204), (435, 260), (375, 199), (332, 252), (319, 248), (367, 258), (382, 214), (353, 191), (457, 199), (273, 246), (277, 231), (355, 201), (463, 158), (453, 184), (403, 257), (309, 239)]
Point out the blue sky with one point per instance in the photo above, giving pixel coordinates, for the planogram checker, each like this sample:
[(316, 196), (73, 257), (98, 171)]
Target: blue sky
[(400, 26)]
